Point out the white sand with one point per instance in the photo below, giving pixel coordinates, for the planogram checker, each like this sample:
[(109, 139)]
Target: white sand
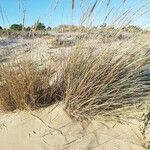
[(52, 129)]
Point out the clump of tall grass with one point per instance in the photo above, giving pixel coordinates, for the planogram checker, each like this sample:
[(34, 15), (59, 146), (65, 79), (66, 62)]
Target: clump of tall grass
[(100, 82), (23, 85), (91, 83)]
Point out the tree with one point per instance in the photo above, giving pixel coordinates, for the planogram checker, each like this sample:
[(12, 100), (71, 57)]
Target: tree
[(17, 27), (39, 26), (1, 28)]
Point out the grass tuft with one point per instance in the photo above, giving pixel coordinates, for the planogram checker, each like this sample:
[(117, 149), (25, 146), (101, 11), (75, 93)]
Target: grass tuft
[(100, 82), (25, 86)]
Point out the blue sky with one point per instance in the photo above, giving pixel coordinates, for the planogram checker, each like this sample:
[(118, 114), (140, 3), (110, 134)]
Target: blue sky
[(11, 11)]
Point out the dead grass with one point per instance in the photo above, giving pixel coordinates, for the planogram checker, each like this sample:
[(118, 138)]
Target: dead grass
[(100, 82), (91, 83), (58, 42), (24, 86)]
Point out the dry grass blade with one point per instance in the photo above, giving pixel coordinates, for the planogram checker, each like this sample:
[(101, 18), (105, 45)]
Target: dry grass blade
[(73, 4), (81, 2), (108, 3), (101, 82), (56, 4), (1, 11), (89, 12), (93, 7)]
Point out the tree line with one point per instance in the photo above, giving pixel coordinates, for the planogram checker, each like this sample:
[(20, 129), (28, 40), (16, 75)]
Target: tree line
[(36, 26)]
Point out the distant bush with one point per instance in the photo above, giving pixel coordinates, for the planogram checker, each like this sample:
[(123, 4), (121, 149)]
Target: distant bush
[(58, 42), (39, 26), (17, 27), (1, 28), (73, 28), (132, 28)]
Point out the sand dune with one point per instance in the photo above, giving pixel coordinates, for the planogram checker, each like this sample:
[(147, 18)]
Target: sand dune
[(52, 129)]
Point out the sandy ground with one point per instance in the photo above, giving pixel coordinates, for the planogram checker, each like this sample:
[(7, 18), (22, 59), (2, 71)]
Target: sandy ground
[(52, 129)]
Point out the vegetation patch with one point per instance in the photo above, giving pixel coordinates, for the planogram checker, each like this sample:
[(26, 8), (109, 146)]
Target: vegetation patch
[(102, 82), (24, 86)]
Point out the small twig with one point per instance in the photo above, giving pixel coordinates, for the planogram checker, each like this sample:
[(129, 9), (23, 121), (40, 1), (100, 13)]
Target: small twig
[(47, 124), (49, 144)]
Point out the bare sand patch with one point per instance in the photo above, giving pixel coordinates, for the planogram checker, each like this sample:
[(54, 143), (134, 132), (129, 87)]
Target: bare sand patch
[(52, 129)]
